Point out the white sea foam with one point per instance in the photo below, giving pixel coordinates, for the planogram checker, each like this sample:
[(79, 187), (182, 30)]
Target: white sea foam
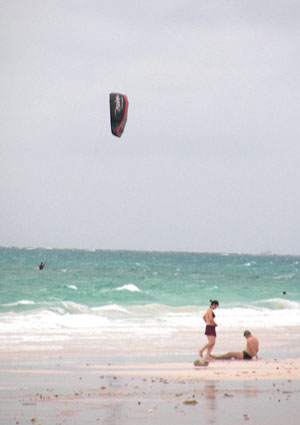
[(279, 304), (285, 276), (72, 287), (111, 307), (21, 302), (75, 308), (116, 326), (129, 287)]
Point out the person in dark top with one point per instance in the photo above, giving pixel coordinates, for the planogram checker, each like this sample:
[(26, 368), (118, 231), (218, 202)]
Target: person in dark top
[(42, 265)]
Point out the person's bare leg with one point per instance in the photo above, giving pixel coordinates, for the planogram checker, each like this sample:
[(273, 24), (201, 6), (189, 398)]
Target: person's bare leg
[(231, 355), (203, 349), (211, 344)]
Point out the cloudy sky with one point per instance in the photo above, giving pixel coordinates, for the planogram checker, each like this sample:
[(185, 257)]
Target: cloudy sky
[(210, 158)]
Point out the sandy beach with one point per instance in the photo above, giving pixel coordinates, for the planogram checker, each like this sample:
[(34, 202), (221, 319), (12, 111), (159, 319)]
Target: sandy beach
[(83, 382), (70, 390)]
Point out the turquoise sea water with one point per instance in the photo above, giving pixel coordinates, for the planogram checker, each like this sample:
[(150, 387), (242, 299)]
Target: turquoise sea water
[(145, 294), (174, 279)]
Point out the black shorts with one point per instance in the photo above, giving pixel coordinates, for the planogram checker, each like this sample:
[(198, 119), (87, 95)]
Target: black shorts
[(210, 330), (246, 356)]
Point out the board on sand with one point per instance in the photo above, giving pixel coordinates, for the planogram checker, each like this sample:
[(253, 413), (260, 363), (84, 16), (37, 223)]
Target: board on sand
[(201, 362)]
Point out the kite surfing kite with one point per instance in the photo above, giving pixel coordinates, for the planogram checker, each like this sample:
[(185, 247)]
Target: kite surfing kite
[(118, 113)]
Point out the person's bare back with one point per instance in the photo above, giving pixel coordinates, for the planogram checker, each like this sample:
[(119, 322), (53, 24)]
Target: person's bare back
[(252, 345)]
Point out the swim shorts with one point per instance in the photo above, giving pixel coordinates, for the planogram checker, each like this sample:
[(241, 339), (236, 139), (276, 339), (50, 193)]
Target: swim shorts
[(210, 330), (246, 356)]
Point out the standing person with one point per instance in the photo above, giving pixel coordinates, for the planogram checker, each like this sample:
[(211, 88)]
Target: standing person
[(210, 330), (42, 265)]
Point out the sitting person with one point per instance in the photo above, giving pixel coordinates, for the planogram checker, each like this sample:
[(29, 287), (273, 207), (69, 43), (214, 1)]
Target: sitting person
[(250, 351)]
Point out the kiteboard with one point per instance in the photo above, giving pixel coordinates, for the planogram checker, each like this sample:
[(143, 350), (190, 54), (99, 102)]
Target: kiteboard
[(201, 362)]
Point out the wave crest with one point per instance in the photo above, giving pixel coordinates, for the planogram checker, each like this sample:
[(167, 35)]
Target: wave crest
[(129, 287), (279, 304), (17, 303)]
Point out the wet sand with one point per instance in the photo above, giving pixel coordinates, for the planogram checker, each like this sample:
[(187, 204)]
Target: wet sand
[(80, 382), (74, 391)]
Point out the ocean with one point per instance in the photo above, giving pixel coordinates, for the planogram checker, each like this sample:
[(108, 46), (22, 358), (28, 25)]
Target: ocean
[(140, 303)]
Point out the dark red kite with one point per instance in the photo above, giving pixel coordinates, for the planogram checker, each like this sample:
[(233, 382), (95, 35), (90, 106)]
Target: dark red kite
[(118, 113)]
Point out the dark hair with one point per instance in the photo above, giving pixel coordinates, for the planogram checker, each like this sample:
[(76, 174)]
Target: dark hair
[(247, 333), (214, 302)]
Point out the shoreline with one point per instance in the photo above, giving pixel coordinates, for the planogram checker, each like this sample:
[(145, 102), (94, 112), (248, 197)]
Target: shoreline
[(219, 370), (75, 392), (280, 342)]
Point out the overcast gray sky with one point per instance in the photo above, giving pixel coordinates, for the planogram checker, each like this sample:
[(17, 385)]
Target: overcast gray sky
[(210, 157)]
